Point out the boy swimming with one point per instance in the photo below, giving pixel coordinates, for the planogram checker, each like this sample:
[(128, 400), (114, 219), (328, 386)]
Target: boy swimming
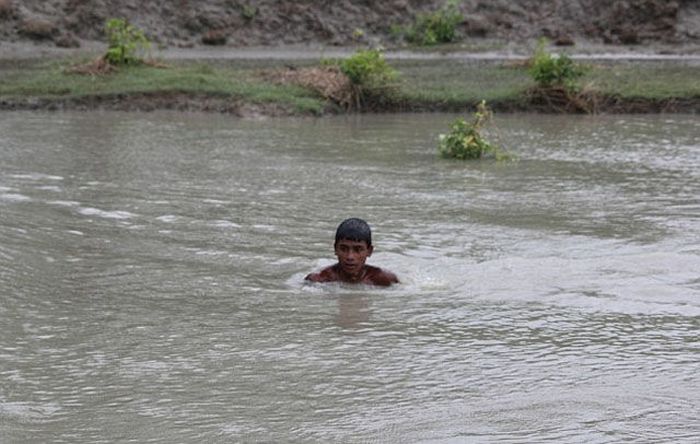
[(353, 245)]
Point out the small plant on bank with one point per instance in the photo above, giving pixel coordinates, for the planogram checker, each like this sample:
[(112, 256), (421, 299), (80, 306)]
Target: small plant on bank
[(249, 12), (126, 43), (126, 46), (436, 27), (557, 86), (373, 79), (358, 34), (465, 141), (554, 71)]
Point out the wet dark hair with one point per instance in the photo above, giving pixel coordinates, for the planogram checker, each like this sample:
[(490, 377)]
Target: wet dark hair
[(354, 229)]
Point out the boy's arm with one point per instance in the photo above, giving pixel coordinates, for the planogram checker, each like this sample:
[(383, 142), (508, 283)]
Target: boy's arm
[(313, 277)]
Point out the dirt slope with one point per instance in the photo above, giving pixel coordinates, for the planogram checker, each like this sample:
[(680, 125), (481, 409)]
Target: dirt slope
[(69, 23)]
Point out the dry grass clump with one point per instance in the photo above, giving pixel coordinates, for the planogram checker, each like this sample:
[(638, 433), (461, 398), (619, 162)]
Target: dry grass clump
[(327, 81), (215, 37), (37, 29), (102, 66), (560, 99), (99, 66)]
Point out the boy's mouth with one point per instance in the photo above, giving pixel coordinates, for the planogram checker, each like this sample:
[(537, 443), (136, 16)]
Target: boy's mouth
[(351, 267)]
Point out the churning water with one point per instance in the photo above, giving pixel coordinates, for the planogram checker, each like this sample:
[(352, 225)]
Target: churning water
[(151, 280)]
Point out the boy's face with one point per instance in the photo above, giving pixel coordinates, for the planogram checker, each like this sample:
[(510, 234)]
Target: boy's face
[(352, 255)]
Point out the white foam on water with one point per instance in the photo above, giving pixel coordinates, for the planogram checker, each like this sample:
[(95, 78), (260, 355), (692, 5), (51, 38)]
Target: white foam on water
[(224, 224), (121, 215), (631, 282), (214, 201), (52, 188), (209, 253), (167, 218), (15, 197), (64, 203), (27, 410), (650, 283), (35, 176)]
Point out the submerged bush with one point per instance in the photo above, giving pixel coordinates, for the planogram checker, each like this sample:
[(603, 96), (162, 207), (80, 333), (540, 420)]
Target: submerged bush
[(436, 27), (554, 71), (465, 141), (126, 42), (372, 78)]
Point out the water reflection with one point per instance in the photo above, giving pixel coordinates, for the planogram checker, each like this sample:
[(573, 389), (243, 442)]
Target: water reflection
[(353, 311)]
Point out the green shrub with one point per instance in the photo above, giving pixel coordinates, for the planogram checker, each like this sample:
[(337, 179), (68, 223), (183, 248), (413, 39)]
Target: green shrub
[(464, 141), (126, 42), (436, 27), (554, 71), (370, 74), (249, 12), (368, 67)]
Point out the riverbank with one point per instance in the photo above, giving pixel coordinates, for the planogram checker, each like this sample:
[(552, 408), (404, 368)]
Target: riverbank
[(239, 83)]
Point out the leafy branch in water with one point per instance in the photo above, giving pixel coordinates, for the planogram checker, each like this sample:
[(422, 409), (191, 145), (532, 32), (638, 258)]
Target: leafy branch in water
[(465, 141)]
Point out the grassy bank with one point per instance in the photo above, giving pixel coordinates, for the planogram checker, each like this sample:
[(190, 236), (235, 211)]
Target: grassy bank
[(435, 84), (50, 83)]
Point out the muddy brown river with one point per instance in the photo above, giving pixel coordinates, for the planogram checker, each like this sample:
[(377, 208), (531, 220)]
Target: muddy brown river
[(151, 280)]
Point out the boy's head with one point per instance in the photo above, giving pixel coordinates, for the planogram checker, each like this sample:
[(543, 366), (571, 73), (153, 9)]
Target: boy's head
[(354, 229)]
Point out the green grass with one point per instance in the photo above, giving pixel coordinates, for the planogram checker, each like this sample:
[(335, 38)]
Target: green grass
[(436, 83), (51, 80), (455, 83), (650, 80)]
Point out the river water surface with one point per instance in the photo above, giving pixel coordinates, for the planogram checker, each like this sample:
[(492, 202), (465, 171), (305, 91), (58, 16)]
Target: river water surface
[(151, 280)]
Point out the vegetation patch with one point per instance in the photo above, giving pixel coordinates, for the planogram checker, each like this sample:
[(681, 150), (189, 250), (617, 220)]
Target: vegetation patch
[(557, 87), (465, 140), (558, 99), (440, 84), (435, 27), (373, 80), (127, 45), (360, 82), (249, 12), (329, 82), (549, 70)]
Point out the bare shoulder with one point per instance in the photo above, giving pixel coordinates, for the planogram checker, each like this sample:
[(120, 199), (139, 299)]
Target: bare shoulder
[(328, 274), (380, 277)]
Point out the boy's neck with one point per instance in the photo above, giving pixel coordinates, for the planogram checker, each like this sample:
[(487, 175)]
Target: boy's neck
[(349, 277)]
